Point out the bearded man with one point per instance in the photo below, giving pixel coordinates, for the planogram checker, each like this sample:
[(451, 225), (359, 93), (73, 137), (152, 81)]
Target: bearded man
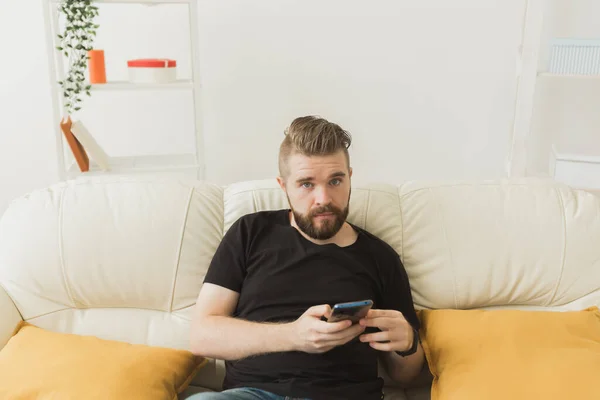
[(273, 281)]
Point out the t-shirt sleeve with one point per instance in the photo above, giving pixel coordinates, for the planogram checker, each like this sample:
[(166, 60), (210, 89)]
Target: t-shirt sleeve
[(228, 265), (396, 290)]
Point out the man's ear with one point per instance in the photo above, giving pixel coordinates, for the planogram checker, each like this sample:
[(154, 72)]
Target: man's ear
[(350, 172), (281, 182)]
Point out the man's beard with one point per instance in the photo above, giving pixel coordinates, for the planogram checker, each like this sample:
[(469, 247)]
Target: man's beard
[(327, 228)]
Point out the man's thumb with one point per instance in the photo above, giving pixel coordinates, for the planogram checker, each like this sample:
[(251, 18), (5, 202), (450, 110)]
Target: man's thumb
[(319, 311)]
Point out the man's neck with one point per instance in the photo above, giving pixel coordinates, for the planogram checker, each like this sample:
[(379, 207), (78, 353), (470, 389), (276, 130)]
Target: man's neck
[(346, 236)]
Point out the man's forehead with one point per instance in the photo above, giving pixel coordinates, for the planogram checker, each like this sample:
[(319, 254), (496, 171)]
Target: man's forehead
[(303, 176), (317, 170), (301, 161)]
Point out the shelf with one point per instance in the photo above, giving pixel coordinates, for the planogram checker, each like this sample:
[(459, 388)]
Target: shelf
[(579, 158), (139, 1), (125, 85), (577, 171), (191, 162), (140, 164), (566, 76)]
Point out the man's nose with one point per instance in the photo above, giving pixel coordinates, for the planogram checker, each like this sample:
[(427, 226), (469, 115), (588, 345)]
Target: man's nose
[(322, 196)]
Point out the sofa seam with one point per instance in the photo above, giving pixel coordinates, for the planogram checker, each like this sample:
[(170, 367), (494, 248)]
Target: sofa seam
[(3, 287), (564, 248), (61, 255), (367, 210), (222, 205), (178, 260), (401, 226), (52, 312), (254, 204), (182, 308), (81, 309), (449, 249)]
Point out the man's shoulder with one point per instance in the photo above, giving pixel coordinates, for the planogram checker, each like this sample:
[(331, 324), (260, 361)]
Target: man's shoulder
[(379, 246), (259, 219)]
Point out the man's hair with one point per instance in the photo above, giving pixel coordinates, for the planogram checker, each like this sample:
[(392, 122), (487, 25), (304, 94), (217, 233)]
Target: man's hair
[(312, 136)]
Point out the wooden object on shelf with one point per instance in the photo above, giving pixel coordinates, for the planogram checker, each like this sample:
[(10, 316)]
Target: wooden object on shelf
[(78, 151), (92, 148)]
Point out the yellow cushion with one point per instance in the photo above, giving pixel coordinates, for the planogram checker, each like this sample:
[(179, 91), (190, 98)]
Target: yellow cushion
[(42, 365), (510, 354)]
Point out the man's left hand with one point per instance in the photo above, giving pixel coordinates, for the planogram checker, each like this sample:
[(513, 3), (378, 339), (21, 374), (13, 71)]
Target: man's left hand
[(396, 333)]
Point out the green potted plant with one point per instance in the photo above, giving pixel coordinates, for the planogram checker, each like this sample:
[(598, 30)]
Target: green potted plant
[(76, 40)]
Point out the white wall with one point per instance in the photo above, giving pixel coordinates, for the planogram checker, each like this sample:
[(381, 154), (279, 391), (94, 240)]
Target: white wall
[(27, 143), (427, 88)]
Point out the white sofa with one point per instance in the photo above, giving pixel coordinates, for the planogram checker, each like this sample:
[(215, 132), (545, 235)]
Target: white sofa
[(123, 258)]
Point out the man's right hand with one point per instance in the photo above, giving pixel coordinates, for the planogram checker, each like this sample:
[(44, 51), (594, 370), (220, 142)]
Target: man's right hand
[(312, 335)]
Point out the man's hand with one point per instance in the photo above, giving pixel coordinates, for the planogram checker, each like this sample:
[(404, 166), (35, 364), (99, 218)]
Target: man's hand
[(396, 333), (312, 335)]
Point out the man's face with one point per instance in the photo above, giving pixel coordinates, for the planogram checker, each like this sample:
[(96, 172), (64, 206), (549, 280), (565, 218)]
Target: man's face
[(318, 191)]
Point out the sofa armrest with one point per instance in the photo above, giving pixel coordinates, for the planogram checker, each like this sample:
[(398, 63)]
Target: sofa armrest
[(9, 317)]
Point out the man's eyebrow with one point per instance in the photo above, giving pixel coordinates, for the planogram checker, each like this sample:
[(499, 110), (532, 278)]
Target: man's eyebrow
[(339, 174), (305, 179)]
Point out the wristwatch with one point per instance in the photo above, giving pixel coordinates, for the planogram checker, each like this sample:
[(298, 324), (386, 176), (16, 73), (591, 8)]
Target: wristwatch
[(414, 347)]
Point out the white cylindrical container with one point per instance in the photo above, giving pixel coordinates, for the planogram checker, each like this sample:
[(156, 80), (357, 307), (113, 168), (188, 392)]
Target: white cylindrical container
[(152, 70)]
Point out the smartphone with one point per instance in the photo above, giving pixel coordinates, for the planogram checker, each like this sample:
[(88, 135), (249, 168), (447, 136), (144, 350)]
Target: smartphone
[(354, 311)]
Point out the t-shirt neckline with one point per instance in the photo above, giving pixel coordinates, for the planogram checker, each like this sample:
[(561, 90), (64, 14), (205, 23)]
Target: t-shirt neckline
[(288, 224)]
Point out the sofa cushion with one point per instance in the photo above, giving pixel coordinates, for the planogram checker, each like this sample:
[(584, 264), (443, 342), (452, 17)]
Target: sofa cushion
[(40, 364), (504, 243), (512, 354), (117, 257)]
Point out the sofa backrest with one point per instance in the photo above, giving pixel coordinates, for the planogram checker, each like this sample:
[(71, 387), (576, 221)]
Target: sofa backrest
[(513, 243), (121, 259), (124, 258)]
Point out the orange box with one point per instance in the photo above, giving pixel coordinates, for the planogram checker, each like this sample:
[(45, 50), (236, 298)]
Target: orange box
[(96, 66)]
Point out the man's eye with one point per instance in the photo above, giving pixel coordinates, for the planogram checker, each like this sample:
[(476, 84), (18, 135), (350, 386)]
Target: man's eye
[(307, 185), (335, 182)]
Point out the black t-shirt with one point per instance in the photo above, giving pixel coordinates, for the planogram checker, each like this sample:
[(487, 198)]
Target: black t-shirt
[(279, 275)]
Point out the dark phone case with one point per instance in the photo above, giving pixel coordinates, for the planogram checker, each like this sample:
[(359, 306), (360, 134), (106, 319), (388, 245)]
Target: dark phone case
[(352, 313)]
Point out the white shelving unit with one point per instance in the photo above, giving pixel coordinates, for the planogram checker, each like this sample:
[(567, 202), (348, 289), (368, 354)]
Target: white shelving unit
[(527, 70), (142, 164), (191, 163), (124, 85), (576, 167), (567, 76), (578, 170), (574, 154)]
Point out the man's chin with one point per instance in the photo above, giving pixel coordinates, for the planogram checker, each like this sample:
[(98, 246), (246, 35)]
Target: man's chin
[(324, 234)]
